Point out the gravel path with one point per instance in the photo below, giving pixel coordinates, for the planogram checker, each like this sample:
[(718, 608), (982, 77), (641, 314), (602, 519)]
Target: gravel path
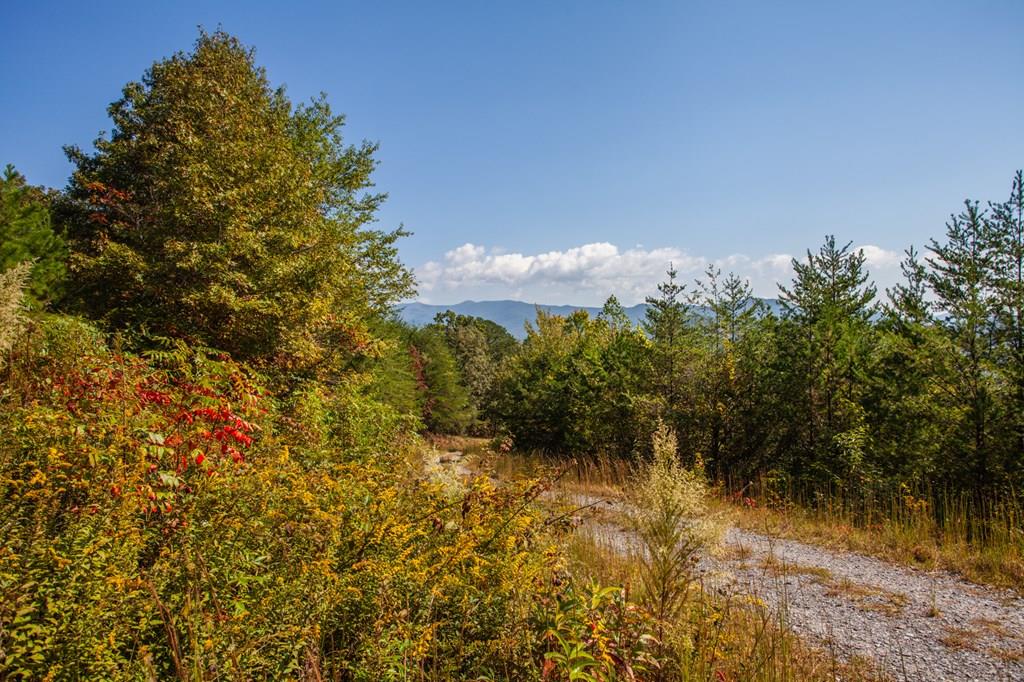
[(915, 625)]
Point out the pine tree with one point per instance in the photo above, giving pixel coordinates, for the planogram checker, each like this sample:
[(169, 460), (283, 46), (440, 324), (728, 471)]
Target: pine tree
[(831, 305), (667, 323), (960, 271), (1007, 226), (729, 311), (27, 235), (903, 396), (614, 315)]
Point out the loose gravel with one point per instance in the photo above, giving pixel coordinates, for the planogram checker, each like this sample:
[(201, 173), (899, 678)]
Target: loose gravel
[(915, 625)]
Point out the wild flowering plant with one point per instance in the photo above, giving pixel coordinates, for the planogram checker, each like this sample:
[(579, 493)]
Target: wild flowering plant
[(669, 514), (12, 291)]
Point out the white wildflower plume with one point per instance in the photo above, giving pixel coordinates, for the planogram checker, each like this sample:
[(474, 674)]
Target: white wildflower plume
[(12, 292), (670, 516)]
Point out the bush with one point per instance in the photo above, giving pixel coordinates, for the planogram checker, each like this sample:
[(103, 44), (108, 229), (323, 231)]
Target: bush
[(669, 514), (169, 517), (12, 293)]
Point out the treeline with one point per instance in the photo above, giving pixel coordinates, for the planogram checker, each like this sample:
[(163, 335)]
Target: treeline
[(844, 387)]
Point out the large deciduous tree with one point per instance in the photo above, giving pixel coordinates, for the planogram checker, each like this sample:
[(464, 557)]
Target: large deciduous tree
[(219, 212)]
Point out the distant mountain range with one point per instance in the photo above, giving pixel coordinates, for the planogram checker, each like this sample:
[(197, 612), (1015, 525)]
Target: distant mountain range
[(513, 315)]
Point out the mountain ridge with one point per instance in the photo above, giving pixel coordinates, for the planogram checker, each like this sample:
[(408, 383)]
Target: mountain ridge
[(513, 315)]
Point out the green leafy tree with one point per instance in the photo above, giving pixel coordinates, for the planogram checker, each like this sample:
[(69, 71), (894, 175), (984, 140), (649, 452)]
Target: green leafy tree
[(26, 234), (531, 401), (218, 211), (413, 371), (576, 385), (479, 347), (446, 406), (625, 354)]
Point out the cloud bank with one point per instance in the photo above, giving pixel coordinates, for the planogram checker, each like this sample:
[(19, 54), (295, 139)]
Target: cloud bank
[(587, 274)]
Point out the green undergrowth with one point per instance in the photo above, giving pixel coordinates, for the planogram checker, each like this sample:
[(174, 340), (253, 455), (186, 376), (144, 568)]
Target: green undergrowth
[(176, 515)]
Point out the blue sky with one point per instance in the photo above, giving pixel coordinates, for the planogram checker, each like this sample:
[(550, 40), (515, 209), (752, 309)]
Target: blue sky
[(561, 151)]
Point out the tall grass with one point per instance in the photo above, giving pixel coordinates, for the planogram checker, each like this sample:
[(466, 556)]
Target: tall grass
[(981, 537), (722, 637), (978, 536), (12, 293)]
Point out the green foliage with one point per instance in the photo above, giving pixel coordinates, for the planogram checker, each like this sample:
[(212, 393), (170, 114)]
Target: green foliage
[(667, 323), (165, 518), (479, 347), (830, 304), (415, 372), (445, 401), (218, 211), (244, 498), (598, 635), (571, 386), (27, 235), (837, 392), (725, 337)]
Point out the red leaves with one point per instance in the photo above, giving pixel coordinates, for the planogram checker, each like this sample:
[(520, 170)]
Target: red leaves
[(738, 498), (104, 200), (151, 397), (186, 430)]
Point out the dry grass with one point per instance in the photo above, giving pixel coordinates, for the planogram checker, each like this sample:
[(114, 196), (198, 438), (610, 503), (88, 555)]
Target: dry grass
[(12, 288), (1008, 654), (994, 556), (898, 529), (993, 627), (736, 552), (960, 638), (719, 637), (869, 597), (901, 529), (773, 565)]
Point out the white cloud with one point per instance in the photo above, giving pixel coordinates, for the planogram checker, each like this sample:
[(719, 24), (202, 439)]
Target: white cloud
[(587, 274), (879, 258)]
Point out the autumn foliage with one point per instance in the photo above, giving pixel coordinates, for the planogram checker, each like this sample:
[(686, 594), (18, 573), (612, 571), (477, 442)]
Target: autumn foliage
[(165, 517)]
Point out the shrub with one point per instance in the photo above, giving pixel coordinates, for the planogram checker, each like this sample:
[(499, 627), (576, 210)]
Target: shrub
[(669, 514), (12, 292), (169, 517)]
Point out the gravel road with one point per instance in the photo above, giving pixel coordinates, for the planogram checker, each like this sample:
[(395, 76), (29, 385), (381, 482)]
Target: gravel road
[(915, 625)]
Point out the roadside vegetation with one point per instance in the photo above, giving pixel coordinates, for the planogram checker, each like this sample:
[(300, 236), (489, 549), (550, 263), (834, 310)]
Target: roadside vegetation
[(979, 539)]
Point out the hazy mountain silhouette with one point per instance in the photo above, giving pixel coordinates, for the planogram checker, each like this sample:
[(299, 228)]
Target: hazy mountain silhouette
[(513, 315)]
